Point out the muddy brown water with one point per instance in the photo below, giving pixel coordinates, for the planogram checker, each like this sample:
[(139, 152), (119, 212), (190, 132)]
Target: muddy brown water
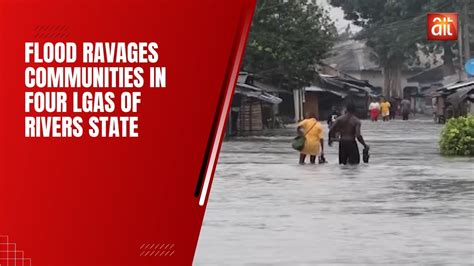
[(409, 205)]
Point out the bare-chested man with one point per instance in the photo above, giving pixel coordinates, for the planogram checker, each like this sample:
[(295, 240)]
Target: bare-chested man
[(348, 126)]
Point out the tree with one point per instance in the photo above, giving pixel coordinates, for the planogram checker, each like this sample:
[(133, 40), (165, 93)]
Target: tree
[(396, 30), (286, 40)]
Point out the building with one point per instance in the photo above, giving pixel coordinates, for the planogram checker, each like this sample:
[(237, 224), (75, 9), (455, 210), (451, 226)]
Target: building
[(253, 107), (356, 59), (425, 86), (454, 100), (329, 91)]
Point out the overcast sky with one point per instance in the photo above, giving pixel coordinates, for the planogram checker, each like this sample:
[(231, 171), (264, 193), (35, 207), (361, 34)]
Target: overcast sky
[(338, 16)]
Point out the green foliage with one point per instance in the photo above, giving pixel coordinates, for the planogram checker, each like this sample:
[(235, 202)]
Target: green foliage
[(457, 137), (395, 29), (286, 39)]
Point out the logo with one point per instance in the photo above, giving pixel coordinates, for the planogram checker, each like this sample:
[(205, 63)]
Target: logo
[(442, 26), (469, 67)]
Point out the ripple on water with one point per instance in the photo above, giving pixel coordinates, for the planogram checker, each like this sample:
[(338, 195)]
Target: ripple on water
[(408, 206)]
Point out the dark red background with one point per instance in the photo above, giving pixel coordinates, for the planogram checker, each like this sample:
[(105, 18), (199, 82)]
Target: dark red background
[(96, 201), (453, 26)]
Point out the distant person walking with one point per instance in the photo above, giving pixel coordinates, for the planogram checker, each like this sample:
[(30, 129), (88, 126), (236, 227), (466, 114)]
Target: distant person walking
[(333, 115), (393, 108), (348, 125), (385, 109), (374, 109), (406, 108), (314, 144)]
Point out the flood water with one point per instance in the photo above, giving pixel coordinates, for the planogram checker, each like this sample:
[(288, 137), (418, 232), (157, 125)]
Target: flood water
[(409, 205)]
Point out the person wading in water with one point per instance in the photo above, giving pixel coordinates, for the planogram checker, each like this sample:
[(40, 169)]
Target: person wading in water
[(314, 144), (385, 109), (333, 115), (348, 125), (406, 106), (374, 109)]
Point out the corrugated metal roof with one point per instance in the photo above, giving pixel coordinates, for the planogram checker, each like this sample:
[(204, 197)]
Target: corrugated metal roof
[(461, 85), (319, 89), (351, 56), (254, 92), (460, 95)]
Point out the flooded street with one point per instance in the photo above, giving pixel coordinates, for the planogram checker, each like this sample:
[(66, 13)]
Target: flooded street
[(408, 206)]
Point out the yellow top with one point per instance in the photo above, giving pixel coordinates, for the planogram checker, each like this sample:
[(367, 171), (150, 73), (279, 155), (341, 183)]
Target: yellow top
[(312, 144), (385, 107)]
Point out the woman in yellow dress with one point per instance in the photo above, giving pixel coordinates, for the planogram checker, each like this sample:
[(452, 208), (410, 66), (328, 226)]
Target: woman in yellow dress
[(385, 109), (314, 134)]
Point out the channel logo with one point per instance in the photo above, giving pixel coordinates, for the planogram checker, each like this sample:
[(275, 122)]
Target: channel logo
[(442, 26)]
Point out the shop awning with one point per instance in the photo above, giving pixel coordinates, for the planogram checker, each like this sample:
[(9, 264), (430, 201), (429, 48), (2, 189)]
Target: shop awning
[(460, 95), (456, 86), (319, 89), (254, 92)]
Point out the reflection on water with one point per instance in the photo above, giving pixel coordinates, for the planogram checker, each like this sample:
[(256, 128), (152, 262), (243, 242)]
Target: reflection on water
[(408, 206)]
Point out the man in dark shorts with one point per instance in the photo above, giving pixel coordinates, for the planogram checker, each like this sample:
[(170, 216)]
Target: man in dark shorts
[(348, 125), (406, 106)]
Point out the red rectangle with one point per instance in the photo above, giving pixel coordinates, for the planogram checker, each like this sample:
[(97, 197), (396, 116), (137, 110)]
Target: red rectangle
[(442, 26)]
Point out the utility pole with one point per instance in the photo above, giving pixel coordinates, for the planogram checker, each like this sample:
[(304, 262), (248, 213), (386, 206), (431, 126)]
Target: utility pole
[(465, 34), (463, 39), (460, 50)]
